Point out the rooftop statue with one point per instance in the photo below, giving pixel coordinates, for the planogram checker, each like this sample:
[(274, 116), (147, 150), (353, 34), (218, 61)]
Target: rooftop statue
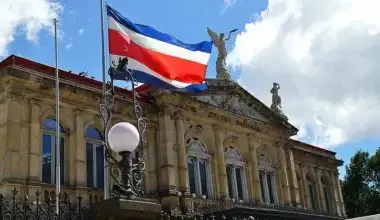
[(219, 42), (276, 100)]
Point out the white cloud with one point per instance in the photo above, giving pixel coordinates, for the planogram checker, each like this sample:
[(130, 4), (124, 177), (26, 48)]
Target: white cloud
[(81, 32), (25, 17), (227, 4), (68, 46), (325, 55)]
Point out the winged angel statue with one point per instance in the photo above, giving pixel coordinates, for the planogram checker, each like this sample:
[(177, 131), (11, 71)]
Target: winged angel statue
[(220, 43)]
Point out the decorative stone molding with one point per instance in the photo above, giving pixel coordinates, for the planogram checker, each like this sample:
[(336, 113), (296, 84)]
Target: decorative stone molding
[(230, 140), (178, 115)]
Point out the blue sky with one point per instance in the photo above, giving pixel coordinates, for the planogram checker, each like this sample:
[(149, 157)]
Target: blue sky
[(80, 43)]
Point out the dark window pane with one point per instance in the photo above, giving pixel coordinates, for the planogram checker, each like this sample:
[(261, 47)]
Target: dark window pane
[(93, 133), (46, 158), (239, 183), (50, 124), (262, 186), (203, 177), (326, 198), (62, 160), (89, 165), (100, 167), (311, 191), (270, 188), (229, 181), (191, 170)]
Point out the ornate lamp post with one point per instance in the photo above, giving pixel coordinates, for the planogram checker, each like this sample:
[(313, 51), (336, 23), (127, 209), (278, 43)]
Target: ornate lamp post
[(123, 138)]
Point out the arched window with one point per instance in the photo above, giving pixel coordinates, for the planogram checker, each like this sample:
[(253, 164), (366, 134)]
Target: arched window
[(310, 181), (199, 168), (49, 151), (325, 188), (237, 181), (94, 158), (267, 181)]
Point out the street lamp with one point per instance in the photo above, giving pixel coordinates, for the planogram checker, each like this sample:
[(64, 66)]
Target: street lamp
[(123, 138)]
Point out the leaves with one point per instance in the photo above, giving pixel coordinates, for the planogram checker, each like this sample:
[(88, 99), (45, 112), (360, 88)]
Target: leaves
[(361, 185)]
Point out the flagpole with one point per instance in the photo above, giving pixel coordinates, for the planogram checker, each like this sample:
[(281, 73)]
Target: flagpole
[(105, 177), (57, 145)]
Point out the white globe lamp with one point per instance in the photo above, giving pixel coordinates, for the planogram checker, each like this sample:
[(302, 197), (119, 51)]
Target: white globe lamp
[(123, 137)]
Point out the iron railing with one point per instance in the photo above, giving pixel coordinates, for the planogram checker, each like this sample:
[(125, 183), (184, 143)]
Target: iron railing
[(16, 209)]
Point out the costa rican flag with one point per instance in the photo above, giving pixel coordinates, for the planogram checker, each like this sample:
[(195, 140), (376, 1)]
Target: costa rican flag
[(157, 58)]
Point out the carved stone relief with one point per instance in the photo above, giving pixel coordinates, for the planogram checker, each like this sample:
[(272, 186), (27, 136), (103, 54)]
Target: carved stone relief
[(233, 104)]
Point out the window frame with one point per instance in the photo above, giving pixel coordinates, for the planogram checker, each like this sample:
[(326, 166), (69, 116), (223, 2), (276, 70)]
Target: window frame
[(52, 134), (95, 143), (234, 159), (196, 150), (266, 169)]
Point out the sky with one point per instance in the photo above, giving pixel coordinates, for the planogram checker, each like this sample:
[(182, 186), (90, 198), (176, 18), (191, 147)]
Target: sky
[(324, 54)]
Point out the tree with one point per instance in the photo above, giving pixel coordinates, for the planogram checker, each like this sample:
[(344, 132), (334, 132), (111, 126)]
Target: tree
[(361, 185)]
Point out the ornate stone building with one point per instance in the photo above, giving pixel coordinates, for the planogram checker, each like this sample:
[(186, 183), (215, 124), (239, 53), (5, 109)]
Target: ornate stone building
[(219, 151)]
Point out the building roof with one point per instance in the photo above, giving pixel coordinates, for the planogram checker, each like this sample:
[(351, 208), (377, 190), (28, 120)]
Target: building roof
[(67, 75)]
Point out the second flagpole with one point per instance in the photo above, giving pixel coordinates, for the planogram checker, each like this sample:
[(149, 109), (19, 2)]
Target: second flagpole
[(106, 190), (57, 136)]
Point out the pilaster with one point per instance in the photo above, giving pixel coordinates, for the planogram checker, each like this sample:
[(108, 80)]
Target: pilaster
[(34, 156), (256, 190), (284, 174), (80, 151), (295, 187), (182, 156), (223, 187), (336, 198), (11, 160), (166, 153)]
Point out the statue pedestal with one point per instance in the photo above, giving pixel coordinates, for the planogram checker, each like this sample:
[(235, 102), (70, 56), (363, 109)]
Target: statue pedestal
[(126, 209)]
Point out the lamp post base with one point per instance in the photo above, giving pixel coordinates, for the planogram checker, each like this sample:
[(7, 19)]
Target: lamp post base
[(119, 208)]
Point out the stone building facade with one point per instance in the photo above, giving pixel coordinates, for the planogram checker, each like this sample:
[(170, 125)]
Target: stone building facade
[(221, 146)]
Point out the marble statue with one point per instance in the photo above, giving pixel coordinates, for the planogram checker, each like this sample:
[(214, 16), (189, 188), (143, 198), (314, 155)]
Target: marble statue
[(219, 42), (276, 100)]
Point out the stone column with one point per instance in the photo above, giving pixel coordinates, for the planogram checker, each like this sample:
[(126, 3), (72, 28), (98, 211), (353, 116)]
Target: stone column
[(284, 175), (295, 187), (305, 186), (151, 179), (80, 151), (320, 197), (223, 187), (342, 208), (256, 190), (167, 159), (336, 203), (250, 185), (182, 156), (34, 158), (11, 160)]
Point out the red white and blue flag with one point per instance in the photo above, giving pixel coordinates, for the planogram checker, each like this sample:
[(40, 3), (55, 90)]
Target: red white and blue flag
[(157, 58)]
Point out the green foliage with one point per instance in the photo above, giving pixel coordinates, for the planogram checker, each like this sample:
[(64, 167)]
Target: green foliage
[(361, 185)]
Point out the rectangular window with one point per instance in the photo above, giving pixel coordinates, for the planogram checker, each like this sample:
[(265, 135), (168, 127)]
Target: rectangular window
[(90, 165), (326, 199), (311, 196), (203, 177), (262, 186), (229, 179), (46, 159), (239, 183), (99, 167), (270, 188), (191, 170)]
